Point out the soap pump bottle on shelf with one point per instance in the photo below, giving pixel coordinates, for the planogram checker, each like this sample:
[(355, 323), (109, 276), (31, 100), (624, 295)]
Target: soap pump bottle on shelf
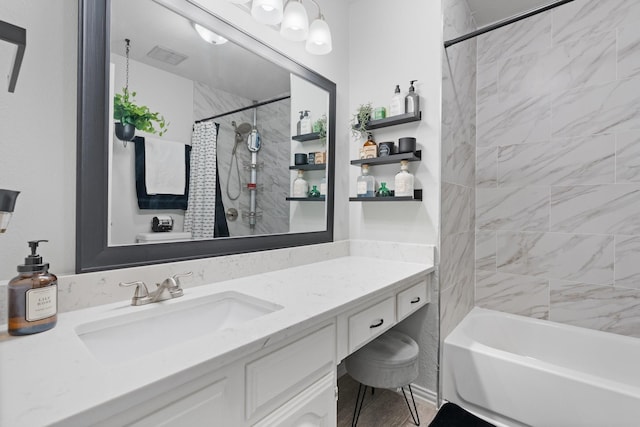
[(366, 184), (305, 123), (299, 124), (300, 185), (33, 296), (369, 148), (404, 181), (412, 100), (397, 103)]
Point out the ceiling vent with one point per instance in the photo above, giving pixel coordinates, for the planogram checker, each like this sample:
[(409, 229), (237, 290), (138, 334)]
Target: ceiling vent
[(166, 55)]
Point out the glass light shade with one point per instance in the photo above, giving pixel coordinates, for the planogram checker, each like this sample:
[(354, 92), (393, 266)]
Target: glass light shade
[(5, 217), (208, 35), (295, 23), (319, 40), (267, 11)]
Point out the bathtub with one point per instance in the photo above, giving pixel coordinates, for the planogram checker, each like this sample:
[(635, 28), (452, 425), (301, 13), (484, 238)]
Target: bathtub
[(517, 371)]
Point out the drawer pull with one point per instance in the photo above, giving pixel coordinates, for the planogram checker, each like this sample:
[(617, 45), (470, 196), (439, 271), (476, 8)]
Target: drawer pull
[(415, 300), (377, 325)]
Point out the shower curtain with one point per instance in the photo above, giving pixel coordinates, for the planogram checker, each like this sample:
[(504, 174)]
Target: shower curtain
[(200, 216)]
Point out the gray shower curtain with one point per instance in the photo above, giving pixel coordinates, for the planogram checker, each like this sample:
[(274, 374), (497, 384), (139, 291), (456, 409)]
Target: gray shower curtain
[(200, 217)]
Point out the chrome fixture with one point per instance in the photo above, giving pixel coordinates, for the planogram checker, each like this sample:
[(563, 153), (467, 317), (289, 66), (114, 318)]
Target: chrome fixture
[(168, 289)]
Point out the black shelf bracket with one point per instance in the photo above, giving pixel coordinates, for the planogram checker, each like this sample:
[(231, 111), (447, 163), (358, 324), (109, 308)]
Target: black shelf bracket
[(394, 120), (306, 137), (306, 199), (414, 156), (417, 197), (18, 36), (313, 167)]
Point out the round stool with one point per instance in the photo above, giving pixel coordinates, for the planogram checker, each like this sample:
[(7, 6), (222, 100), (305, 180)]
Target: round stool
[(389, 361)]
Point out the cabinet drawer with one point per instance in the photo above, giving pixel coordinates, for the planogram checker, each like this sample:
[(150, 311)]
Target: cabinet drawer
[(278, 376), (371, 322), (412, 299)]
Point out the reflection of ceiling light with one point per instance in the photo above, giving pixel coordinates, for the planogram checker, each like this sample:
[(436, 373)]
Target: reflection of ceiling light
[(295, 23), (208, 35), (319, 40), (267, 11)]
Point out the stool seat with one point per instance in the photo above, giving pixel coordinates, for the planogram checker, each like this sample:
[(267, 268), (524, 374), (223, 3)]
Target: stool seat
[(389, 361)]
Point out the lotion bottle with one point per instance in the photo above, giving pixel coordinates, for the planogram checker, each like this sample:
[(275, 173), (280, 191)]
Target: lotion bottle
[(300, 185), (305, 123), (32, 296), (397, 103), (412, 100), (366, 184), (404, 181)]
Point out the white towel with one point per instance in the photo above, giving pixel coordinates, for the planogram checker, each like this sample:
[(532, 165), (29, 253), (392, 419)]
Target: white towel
[(165, 169)]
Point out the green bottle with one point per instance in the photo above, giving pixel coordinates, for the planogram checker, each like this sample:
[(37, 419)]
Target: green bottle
[(314, 192), (383, 191)]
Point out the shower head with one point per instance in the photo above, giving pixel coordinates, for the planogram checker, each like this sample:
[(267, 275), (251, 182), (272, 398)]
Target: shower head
[(243, 129)]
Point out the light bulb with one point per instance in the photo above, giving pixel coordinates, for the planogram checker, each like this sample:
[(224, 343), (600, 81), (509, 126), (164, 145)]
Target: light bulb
[(319, 40), (295, 23), (267, 11)]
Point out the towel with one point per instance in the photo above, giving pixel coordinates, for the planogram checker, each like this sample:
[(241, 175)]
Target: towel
[(158, 201), (165, 169)]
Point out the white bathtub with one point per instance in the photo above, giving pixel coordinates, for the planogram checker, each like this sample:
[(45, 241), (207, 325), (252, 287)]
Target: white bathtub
[(526, 372)]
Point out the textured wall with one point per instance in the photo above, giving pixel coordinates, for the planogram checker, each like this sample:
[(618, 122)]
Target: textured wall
[(558, 171), (458, 171)]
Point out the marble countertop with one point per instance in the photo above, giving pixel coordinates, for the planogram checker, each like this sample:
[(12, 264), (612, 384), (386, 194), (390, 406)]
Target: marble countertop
[(51, 376)]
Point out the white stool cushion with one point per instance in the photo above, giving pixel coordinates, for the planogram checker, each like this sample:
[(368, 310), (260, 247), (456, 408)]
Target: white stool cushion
[(389, 361)]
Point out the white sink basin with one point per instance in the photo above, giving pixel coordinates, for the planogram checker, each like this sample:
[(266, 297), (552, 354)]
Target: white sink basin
[(162, 325)]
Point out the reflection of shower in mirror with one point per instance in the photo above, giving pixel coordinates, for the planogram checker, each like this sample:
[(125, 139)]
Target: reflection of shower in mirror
[(254, 143)]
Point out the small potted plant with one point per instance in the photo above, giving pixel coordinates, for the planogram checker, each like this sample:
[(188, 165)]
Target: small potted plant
[(131, 117), (360, 120), (320, 126)]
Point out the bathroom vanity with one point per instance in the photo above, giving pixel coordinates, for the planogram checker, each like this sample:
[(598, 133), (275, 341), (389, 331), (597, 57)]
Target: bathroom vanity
[(261, 350)]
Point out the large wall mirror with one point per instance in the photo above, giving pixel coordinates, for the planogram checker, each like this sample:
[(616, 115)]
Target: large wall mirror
[(218, 180)]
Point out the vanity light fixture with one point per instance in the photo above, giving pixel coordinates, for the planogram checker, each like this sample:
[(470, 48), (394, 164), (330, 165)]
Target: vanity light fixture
[(295, 23), (208, 35), (267, 11), (319, 40)]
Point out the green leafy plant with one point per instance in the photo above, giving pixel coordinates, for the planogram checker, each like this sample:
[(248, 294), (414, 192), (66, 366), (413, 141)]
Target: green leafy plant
[(360, 120), (320, 126), (126, 111)]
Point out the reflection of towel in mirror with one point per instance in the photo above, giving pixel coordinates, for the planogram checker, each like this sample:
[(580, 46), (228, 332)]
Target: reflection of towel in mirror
[(158, 201), (164, 167)]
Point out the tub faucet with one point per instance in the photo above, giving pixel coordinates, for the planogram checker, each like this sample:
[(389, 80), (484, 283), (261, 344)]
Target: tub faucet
[(168, 289)]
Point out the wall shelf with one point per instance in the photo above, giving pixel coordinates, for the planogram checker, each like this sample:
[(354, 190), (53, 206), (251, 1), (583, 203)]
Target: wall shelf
[(394, 120), (417, 197), (306, 199), (306, 137), (415, 156), (318, 167)]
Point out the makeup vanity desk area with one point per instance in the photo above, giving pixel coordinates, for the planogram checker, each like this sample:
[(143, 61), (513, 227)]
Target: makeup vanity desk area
[(277, 369)]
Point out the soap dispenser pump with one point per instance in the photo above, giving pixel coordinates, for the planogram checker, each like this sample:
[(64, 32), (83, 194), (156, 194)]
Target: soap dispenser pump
[(33, 296), (412, 100), (299, 124), (397, 103)]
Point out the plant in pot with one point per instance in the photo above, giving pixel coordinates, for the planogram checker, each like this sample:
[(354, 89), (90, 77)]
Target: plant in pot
[(360, 120), (320, 127), (131, 116)]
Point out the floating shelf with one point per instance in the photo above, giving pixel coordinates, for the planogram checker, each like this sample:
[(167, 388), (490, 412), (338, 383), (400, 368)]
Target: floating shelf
[(415, 156), (306, 199), (318, 167), (417, 197), (306, 137), (394, 120)]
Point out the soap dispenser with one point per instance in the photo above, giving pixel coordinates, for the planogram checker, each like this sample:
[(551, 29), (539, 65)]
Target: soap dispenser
[(397, 103), (412, 100), (299, 124), (305, 123), (404, 181), (33, 296)]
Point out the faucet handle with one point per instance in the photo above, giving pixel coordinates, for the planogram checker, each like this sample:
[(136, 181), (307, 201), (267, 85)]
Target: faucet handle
[(141, 295), (177, 277)]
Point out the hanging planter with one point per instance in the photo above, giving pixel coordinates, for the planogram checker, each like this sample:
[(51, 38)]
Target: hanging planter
[(131, 116)]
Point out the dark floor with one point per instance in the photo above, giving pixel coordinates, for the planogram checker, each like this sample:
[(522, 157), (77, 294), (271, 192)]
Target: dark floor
[(385, 408)]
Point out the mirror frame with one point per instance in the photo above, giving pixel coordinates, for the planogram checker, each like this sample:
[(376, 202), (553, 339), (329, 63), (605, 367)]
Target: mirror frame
[(93, 252)]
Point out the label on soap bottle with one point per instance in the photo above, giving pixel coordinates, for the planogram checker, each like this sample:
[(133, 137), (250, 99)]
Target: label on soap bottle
[(41, 303)]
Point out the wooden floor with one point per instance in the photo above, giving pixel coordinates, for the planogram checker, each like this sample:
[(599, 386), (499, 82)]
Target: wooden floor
[(385, 408)]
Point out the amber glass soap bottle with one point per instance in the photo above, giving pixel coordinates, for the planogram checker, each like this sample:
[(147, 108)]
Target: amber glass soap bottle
[(33, 296)]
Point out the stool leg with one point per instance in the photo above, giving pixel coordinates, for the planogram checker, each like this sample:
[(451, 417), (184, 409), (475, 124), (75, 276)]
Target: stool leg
[(359, 401), (416, 418)]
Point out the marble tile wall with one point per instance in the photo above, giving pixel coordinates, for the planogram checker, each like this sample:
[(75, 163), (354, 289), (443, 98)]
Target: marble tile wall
[(456, 268), (273, 178), (558, 166)]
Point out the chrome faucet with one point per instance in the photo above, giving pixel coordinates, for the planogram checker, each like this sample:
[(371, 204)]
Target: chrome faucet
[(168, 289)]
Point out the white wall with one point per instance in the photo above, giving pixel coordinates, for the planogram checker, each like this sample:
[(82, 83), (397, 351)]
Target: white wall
[(172, 97), (391, 44), (38, 135)]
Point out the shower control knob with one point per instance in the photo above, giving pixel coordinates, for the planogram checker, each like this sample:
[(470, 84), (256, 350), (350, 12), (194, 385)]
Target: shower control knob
[(232, 214)]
